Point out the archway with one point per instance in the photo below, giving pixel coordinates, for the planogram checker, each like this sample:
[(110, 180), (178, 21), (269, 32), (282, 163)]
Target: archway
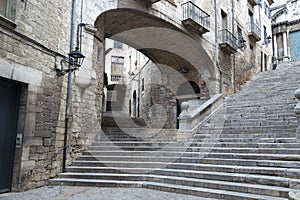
[(187, 91), (188, 88), (166, 45), (134, 105)]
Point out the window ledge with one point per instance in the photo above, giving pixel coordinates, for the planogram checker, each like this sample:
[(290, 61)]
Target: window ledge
[(7, 23)]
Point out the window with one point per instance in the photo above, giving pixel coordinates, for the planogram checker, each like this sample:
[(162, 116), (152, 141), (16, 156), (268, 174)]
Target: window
[(241, 40), (7, 9), (117, 65), (118, 45), (224, 20), (269, 12), (130, 66), (265, 7), (136, 59), (265, 34), (240, 34), (250, 16), (143, 84)]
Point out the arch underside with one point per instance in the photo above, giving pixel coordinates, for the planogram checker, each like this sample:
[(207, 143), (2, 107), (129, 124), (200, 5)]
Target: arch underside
[(164, 43)]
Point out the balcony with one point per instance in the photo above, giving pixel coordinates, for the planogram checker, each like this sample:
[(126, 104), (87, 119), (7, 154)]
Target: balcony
[(254, 32), (194, 18), (253, 2), (116, 78), (228, 42)]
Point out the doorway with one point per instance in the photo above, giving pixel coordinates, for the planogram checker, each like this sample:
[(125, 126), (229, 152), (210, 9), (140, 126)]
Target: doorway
[(187, 91), (9, 107), (134, 105)]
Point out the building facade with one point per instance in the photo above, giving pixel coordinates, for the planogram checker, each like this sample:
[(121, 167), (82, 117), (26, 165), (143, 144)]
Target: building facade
[(286, 30), (196, 48)]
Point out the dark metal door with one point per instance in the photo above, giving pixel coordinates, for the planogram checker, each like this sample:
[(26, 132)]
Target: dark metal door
[(9, 102)]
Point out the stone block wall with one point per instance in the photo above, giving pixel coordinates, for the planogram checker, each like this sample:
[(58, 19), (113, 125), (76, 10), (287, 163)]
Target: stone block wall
[(30, 52)]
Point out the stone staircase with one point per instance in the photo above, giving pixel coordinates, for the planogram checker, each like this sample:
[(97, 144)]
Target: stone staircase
[(115, 124), (248, 150)]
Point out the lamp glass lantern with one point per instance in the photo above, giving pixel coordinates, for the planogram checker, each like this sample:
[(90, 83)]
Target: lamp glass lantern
[(77, 57)]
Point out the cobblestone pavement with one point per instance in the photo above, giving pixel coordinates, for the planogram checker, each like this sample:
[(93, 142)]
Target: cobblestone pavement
[(94, 193)]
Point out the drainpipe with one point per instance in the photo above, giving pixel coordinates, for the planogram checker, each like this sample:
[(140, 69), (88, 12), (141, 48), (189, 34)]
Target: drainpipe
[(217, 46), (261, 49), (234, 67), (69, 88)]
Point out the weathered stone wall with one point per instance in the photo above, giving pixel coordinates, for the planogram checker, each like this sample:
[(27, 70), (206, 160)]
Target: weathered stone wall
[(29, 54), (158, 101), (33, 66)]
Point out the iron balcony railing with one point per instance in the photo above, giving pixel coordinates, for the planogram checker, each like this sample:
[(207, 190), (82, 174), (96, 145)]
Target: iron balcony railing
[(116, 78), (254, 29), (192, 11), (228, 38)]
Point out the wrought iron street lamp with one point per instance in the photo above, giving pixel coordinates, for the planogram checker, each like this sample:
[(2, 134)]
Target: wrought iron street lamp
[(75, 60)]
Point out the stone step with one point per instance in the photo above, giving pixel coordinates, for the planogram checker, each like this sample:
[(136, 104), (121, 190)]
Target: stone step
[(255, 150), (121, 120), (247, 140), (193, 144), (190, 156), (136, 167), (246, 135), (185, 162), (275, 191), (255, 116), (196, 191), (259, 105), (246, 130), (257, 145), (237, 140), (190, 151), (272, 128), (247, 162), (258, 117), (260, 102), (261, 123), (132, 143), (209, 193), (196, 148)]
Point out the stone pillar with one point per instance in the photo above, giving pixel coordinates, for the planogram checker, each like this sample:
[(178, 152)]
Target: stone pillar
[(275, 46), (185, 118), (297, 111), (285, 47)]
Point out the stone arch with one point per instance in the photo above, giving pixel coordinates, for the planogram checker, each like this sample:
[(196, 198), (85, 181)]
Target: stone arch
[(151, 35)]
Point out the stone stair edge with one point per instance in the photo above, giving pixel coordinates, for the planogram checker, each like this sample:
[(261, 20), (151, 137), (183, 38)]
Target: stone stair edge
[(189, 189), (249, 185)]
